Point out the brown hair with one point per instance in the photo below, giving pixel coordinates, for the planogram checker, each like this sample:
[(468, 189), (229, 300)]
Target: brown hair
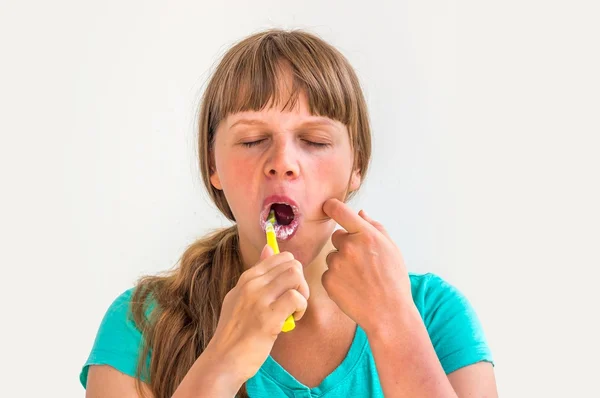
[(189, 298)]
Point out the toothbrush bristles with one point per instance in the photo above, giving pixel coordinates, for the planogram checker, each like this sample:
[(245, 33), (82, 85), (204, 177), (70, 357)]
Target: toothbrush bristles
[(272, 218)]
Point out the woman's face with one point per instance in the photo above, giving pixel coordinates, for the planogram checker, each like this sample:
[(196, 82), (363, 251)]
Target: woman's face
[(291, 159)]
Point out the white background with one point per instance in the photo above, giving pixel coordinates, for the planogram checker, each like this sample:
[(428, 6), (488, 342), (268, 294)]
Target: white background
[(485, 165)]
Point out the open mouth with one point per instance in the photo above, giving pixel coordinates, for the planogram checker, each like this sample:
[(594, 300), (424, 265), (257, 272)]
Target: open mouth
[(284, 214), (287, 218)]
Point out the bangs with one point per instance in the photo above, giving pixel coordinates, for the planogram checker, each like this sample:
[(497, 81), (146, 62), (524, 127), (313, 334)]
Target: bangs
[(257, 75)]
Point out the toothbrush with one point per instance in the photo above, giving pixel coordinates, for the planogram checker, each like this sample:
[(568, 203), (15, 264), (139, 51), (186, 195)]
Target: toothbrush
[(289, 323)]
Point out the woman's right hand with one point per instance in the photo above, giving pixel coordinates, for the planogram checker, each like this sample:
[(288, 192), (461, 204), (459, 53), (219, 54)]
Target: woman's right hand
[(254, 311)]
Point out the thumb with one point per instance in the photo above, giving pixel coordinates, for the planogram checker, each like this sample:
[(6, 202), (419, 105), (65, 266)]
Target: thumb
[(266, 252)]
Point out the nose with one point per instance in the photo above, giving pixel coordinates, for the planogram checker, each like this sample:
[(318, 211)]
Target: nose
[(283, 162)]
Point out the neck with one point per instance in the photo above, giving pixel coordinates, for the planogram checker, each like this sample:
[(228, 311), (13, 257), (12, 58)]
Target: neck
[(322, 316), (319, 303)]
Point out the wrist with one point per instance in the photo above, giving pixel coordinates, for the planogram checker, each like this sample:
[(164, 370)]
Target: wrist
[(210, 376), (224, 369), (401, 320)]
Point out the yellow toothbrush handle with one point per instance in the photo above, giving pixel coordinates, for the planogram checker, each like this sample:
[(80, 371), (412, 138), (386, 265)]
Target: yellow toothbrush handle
[(272, 240), (289, 323)]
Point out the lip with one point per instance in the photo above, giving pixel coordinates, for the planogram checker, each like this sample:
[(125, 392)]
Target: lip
[(283, 232)]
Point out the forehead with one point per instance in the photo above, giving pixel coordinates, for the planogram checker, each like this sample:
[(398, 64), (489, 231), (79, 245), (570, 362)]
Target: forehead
[(260, 119), (281, 100)]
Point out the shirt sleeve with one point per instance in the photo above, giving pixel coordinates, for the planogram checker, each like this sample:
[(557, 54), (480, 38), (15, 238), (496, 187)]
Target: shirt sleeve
[(453, 326), (118, 340)]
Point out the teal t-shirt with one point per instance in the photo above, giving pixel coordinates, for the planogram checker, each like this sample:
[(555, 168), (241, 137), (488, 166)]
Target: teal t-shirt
[(453, 326)]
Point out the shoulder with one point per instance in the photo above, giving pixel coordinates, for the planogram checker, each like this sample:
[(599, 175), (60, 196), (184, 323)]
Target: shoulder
[(121, 304), (118, 318), (451, 321), (430, 290), (118, 340), (437, 299), (426, 280)]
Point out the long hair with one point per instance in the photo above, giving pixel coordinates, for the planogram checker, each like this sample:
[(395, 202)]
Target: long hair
[(178, 311)]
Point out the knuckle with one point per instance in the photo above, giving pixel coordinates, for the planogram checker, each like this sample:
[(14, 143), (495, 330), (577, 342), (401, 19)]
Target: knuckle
[(352, 249), (247, 288), (326, 279), (287, 256), (331, 260), (243, 278), (338, 241), (293, 269), (378, 225), (306, 287), (297, 269), (299, 299), (303, 300), (228, 297), (263, 317), (292, 295), (263, 302), (290, 272), (304, 291), (370, 239)]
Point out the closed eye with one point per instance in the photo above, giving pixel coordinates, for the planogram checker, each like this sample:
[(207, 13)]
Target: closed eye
[(310, 143), (252, 143), (316, 144)]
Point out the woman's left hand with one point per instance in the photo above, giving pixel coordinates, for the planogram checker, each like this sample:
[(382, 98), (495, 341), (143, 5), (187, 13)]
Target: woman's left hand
[(367, 277)]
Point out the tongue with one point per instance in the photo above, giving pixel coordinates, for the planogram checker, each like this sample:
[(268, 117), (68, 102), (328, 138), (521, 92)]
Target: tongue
[(283, 213)]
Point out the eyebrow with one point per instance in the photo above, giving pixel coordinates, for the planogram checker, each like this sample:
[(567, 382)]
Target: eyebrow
[(319, 121)]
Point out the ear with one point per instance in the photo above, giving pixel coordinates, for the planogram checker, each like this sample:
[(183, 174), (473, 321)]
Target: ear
[(216, 181), (355, 180), (214, 175)]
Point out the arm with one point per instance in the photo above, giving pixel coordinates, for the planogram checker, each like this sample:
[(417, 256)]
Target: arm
[(477, 380), (104, 381), (208, 377), (406, 361), (252, 316), (367, 278), (409, 367)]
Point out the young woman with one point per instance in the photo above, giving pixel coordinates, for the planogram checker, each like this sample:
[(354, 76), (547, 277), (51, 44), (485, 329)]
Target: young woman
[(284, 126)]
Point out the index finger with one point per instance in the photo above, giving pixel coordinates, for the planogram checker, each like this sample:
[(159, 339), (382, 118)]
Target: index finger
[(343, 215), (265, 265)]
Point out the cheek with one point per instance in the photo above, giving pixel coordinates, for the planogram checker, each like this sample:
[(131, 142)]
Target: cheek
[(237, 176), (328, 179), (333, 172), (234, 169)]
